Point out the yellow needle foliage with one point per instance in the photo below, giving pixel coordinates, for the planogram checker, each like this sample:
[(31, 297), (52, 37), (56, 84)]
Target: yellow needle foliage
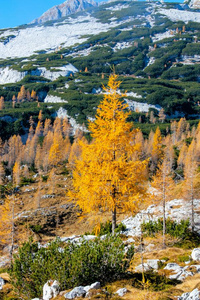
[(6, 221), (109, 175)]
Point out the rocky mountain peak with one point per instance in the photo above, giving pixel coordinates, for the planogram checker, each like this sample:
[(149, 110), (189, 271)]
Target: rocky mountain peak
[(64, 9)]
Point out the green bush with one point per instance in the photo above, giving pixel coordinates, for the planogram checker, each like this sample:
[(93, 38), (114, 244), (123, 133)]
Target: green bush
[(71, 264), (35, 228), (178, 230), (106, 228), (26, 181)]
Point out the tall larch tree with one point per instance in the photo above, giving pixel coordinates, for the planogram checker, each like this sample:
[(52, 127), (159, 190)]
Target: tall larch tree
[(2, 173), (16, 180), (105, 177), (162, 115), (22, 94), (33, 95), (182, 156), (2, 104), (14, 101), (157, 152), (6, 222), (174, 131), (190, 172), (163, 183)]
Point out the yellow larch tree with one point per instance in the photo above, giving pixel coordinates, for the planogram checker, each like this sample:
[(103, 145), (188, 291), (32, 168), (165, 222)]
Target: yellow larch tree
[(163, 183), (6, 222), (174, 131), (47, 127), (105, 177), (75, 150), (33, 95), (157, 152), (2, 105), (190, 172), (181, 129), (182, 155), (22, 94), (13, 101), (162, 115), (66, 128), (15, 149), (2, 173)]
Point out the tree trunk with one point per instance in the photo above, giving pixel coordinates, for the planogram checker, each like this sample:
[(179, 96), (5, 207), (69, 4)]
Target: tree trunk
[(13, 229), (164, 214), (114, 218), (192, 206)]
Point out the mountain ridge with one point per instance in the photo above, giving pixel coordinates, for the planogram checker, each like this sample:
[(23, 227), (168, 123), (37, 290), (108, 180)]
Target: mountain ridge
[(64, 9)]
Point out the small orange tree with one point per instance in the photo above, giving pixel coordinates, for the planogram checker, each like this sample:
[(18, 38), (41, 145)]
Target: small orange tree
[(109, 175)]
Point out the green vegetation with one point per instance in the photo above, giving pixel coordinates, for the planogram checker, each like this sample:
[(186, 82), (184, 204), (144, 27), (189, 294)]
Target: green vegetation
[(152, 281), (106, 228), (70, 266), (185, 238), (167, 82), (173, 228)]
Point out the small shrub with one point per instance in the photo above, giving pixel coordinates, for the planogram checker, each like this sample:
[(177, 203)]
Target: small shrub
[(183, 258), (178, 230), (26, 181), (45, 178), (155, 281), (106, 228), (120, 227), (35, 228), (192, 240)]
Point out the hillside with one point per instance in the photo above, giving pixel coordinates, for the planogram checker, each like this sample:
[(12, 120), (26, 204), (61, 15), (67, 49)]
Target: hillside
[(153, 46), (99, 173)]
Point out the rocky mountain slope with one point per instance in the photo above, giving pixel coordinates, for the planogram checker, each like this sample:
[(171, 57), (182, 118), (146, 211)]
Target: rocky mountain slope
[(154, 47)]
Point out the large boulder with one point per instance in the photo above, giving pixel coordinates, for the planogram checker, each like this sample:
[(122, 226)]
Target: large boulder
[(122, 292), (196, 254), (82, 291), (50, 289), (93, 286), (145, 267), (153, 263), (76, 293)]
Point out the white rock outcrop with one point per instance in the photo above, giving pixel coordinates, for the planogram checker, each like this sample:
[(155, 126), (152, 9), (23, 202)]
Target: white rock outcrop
[(54, 99), (55, 73), (2, 282), (196, 254), (50, 289), (122, 292), (179, 273), (176, 209), (8, 75)]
